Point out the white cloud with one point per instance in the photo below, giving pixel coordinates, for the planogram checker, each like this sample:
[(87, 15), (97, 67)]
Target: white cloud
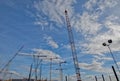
[(67, 46), (98, 28), (89, 5), (96, 24), (112, 23), (27, 70), (102, 58), (42, 23), (97, 64), (94, 66), (14, 72), (107, 3), (32, 55), (87, 24), (51, 42), (55, 57), (45, 55), (101, 4), (54, 9), (72, 77), (95, 43)]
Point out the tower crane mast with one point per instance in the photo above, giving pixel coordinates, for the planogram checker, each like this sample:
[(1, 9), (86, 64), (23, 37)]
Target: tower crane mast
[(71, 40)]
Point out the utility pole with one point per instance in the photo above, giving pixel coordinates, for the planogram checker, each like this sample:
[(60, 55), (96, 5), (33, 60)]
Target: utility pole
[(71, 40)]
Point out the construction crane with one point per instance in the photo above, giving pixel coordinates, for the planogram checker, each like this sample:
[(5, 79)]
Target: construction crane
[(5, 68), (51, 59), (71, 40), (30, 72), (61, 70), (11, 59)]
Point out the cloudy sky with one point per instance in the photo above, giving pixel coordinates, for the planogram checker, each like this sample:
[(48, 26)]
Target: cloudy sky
[(40, 26)]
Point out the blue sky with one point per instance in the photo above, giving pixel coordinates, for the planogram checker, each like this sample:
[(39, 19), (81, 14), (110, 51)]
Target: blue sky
[(40, 26)]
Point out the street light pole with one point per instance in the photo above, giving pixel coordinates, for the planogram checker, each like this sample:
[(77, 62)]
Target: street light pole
[(114, 58), (108, 45), (115, 73)]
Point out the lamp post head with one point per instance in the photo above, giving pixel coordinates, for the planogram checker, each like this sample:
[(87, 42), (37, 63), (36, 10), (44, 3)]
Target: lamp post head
[(104, 44), (65, 11), (109, 41)]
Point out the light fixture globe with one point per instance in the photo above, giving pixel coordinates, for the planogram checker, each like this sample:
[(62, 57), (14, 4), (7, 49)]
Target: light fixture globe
[(109, 41), (104, 44)]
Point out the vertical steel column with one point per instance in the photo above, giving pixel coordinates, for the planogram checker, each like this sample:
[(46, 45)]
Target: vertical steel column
[(110, 78), (66, 78), (96, 78), (50, 67), (115, 73), (103, 77), (30, 73)]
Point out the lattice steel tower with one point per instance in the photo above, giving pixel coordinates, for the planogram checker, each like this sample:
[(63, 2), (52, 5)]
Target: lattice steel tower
[(71, 40)]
